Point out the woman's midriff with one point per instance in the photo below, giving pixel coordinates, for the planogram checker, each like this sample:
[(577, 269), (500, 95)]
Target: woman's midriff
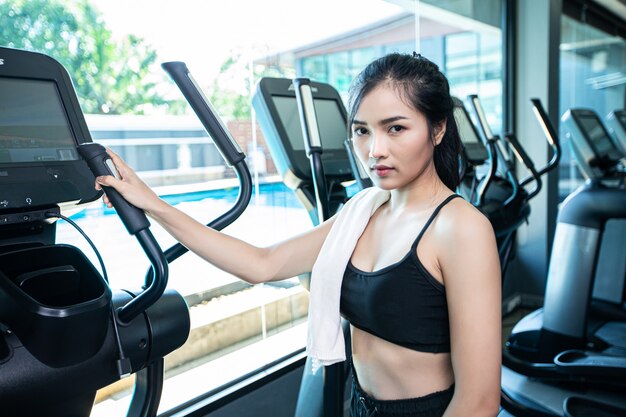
[(387, 371)]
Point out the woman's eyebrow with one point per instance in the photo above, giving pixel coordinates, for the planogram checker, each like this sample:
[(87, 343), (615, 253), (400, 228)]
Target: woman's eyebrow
[(382, 122), (391, 120)]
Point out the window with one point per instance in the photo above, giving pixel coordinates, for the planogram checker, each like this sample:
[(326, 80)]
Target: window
[(592, 76), (464, 38)]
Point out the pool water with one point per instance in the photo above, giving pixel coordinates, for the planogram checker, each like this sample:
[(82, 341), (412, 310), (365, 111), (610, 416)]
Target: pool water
[(271, 194)]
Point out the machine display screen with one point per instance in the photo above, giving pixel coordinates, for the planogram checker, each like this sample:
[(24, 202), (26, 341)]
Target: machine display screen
[(596, 134), (463, 123), (33, 124), (332, 126)]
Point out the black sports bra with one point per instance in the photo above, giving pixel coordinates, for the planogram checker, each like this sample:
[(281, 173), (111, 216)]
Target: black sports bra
[(401, 303)]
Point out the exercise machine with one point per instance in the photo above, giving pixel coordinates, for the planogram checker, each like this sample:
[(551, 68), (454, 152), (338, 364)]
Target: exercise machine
[(564, 343), (315, 161), (278, 114), (489, 180), (64, 332), (616, 121)]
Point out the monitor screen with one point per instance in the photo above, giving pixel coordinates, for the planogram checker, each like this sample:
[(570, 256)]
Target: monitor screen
[(33, 124), (596, 134), (332, 126), (464, 125)]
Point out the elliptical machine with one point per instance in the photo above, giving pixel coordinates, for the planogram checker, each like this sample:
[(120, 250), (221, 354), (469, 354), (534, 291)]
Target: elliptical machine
[(498, 193), (314, 160)]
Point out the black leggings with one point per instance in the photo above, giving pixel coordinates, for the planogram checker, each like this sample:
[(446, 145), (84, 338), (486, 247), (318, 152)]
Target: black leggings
[(431, 405)]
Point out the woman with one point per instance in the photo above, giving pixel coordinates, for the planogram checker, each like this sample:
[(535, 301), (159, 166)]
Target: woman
[(421, 288)]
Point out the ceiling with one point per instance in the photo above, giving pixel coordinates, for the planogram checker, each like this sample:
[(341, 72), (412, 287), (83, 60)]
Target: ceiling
[(617, 7)]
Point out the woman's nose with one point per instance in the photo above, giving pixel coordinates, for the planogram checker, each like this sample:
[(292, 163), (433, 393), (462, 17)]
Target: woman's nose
[(378, 147)]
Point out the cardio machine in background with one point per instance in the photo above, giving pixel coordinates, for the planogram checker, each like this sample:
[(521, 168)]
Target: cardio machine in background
[(315, 160), (278, 114), (616, 121), (574, 345), (65, 333), (490, 181)]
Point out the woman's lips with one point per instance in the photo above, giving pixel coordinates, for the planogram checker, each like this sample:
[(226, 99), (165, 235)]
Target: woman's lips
[(381, 170)]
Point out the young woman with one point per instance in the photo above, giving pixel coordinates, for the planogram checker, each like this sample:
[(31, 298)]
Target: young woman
[(421, 288)]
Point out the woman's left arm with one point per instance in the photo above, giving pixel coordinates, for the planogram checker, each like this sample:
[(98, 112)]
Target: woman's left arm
[(471, 273)]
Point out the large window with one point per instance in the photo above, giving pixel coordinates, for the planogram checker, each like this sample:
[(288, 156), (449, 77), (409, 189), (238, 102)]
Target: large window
[(464, 38), (592, 66)]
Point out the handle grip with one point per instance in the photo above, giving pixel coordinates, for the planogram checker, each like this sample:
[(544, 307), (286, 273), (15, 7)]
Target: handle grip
[(100, 163)]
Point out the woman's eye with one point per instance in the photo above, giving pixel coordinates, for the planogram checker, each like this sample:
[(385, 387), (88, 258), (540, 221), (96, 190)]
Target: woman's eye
[(360, 131), (396, 129)]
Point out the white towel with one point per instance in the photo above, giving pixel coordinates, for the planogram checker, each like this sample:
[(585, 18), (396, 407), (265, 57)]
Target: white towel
[(325, 341)]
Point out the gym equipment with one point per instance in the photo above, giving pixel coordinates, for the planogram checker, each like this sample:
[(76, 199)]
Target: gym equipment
[(616, 121), (501, 197), (278, 114), (564, 342), (65, 333), (288, 113), (598, 159)]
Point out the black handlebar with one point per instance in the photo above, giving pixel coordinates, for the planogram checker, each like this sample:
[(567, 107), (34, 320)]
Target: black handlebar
[(523, 157), (551, 136), (493, 167), (497, 146), (137, 224), (206, 113), (228, 148), (100, 163), (149, 381)]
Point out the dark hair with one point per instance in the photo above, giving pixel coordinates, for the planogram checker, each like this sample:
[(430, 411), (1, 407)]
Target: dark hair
[(423, 87)]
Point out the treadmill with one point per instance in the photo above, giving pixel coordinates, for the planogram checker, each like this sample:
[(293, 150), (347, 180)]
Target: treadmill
[(64, 333)]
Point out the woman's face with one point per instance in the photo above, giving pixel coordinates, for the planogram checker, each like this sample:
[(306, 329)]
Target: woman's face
[(392, 139)]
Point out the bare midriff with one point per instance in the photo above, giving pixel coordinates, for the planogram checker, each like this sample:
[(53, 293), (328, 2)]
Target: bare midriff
[(387, 371)]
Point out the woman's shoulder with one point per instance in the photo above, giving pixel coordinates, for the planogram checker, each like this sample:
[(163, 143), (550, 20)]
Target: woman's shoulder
[(460, 222)]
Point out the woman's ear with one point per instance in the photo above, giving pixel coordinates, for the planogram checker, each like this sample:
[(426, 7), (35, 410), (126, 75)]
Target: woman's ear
[(440, 131)]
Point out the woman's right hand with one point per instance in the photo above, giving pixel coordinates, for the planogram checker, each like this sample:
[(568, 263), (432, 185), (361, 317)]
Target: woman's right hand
[(131, 187)]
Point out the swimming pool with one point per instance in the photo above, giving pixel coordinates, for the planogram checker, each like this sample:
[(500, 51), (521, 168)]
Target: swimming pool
[(270, 194)]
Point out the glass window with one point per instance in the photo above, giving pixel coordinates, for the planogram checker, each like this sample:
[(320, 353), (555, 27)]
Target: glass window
[(337, 74), (463, 37), (591, 76), (315, 68)]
